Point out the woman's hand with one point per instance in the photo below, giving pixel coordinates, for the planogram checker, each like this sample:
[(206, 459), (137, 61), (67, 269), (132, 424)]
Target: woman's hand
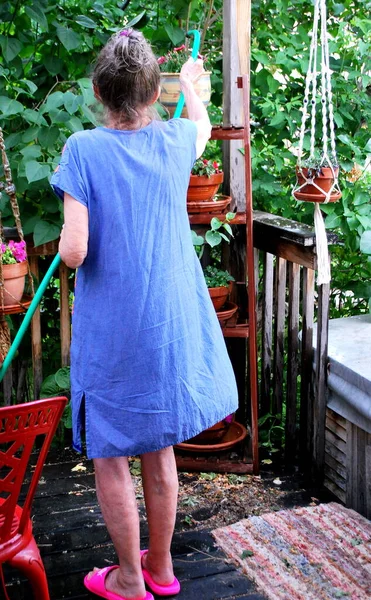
[(191, 71)]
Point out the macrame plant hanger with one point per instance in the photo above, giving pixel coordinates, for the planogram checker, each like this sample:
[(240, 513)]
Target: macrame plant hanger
[(19, 306), (311, 184)]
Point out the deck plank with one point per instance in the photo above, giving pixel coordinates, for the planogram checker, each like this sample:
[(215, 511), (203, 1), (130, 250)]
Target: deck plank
[(70, 532)]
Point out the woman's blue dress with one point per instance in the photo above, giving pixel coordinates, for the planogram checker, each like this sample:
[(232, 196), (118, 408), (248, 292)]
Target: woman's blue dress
[(149, 366)]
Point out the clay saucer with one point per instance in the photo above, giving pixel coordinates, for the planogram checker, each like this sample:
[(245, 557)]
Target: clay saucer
[(235, 434), (317, 197), (227, 311), (209, 206), (13, 309)]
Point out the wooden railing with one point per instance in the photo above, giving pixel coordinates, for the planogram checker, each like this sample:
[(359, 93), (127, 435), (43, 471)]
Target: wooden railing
[(288, 302)]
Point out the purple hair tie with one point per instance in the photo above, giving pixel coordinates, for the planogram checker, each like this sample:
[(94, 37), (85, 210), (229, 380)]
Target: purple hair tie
[(125, 32)]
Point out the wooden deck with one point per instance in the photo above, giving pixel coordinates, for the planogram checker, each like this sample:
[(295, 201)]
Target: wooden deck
[(72, 538)]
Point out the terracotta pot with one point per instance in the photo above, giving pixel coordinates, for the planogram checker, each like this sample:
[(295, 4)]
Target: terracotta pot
[(14, 280), (219, 295), (170, 91), (212, 434), (324, 179), (202, 188)]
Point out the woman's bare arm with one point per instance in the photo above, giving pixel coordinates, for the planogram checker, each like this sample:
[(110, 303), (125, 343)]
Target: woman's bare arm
[(197, 112), (73, 245)]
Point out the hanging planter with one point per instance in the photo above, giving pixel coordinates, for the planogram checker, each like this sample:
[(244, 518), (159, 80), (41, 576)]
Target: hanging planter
[(317, 175), (315, 184), (13, 263), (14, 276)]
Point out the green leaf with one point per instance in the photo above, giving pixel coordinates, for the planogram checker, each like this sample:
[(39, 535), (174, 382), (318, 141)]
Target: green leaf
[(72, 102), (228, 228), (36, 171), (365, 242), (11, 47), (69, 38), (136, 19), (74, 124), (45, 232), (34, 116), (213, 238), (215, 223), (49, 387), (31, 151), (278, 119), (62, 378), (53, 64), (85, 21), (36, 13), (261, 57), (10, 107), (89, 114), (197, 240), (31, 85), (175, 34), (48, 136), (332, 221), (54, 100), (230, 216)]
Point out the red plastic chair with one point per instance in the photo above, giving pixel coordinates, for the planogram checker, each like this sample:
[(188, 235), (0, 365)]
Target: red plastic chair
[(20, 425)]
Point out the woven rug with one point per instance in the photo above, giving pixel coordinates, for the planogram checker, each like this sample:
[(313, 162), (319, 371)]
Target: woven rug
[(310, 553)]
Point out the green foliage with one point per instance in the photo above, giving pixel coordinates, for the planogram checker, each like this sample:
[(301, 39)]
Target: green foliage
[(45, 90), (280, 54), (59, 384), (216, 277), (214, 235), (205, 168)]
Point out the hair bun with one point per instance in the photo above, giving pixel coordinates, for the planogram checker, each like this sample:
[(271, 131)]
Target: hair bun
[(132, 49)]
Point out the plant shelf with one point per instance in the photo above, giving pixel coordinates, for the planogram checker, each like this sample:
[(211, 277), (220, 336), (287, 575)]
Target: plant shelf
[(220, 132), (205, 218)]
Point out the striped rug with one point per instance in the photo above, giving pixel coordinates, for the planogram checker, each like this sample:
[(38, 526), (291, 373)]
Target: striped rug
[(311, 553)]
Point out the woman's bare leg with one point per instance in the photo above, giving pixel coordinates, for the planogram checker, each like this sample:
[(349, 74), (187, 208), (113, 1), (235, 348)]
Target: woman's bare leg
[(116, 496), (160, 484)]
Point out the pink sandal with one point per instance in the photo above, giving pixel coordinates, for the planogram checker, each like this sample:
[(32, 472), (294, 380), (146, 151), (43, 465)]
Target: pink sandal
[(96, 584), (160, 590)]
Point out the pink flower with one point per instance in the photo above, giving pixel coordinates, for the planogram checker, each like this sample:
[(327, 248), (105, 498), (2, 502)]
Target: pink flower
[(205, 161), (161, 60), (215, 165), (180, 48)]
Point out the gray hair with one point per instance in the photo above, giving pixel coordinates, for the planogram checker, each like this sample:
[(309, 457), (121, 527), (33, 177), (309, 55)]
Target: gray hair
[(126, 74)]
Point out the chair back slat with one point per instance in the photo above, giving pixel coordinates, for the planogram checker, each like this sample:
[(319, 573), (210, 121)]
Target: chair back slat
[(20, 426)]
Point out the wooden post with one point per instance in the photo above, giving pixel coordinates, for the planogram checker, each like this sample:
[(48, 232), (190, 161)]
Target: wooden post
[(236, 50), (65, 323), (37, 362)]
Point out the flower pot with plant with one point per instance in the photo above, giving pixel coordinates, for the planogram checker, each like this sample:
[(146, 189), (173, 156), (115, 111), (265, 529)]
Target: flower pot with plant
[(170, 66), (219, 282), (315, 180), (206, 177), (15, 269)]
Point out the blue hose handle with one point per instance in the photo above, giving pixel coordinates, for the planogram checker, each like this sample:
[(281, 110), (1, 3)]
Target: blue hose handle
[(194, 55)]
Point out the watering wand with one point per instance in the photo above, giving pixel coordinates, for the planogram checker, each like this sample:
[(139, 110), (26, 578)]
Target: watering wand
[(45, 281)]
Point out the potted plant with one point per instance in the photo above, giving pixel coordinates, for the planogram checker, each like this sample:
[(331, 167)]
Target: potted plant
[(206, 177), (170, 66), (315, 178), (219, 285), (218, 281), (15, 269)]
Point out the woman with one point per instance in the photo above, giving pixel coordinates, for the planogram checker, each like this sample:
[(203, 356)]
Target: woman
[(149, 367)]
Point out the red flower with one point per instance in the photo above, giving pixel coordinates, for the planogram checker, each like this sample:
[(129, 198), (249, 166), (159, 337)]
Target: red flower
[(205, 161), (180, 48), (216, 165), (161, 60)]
